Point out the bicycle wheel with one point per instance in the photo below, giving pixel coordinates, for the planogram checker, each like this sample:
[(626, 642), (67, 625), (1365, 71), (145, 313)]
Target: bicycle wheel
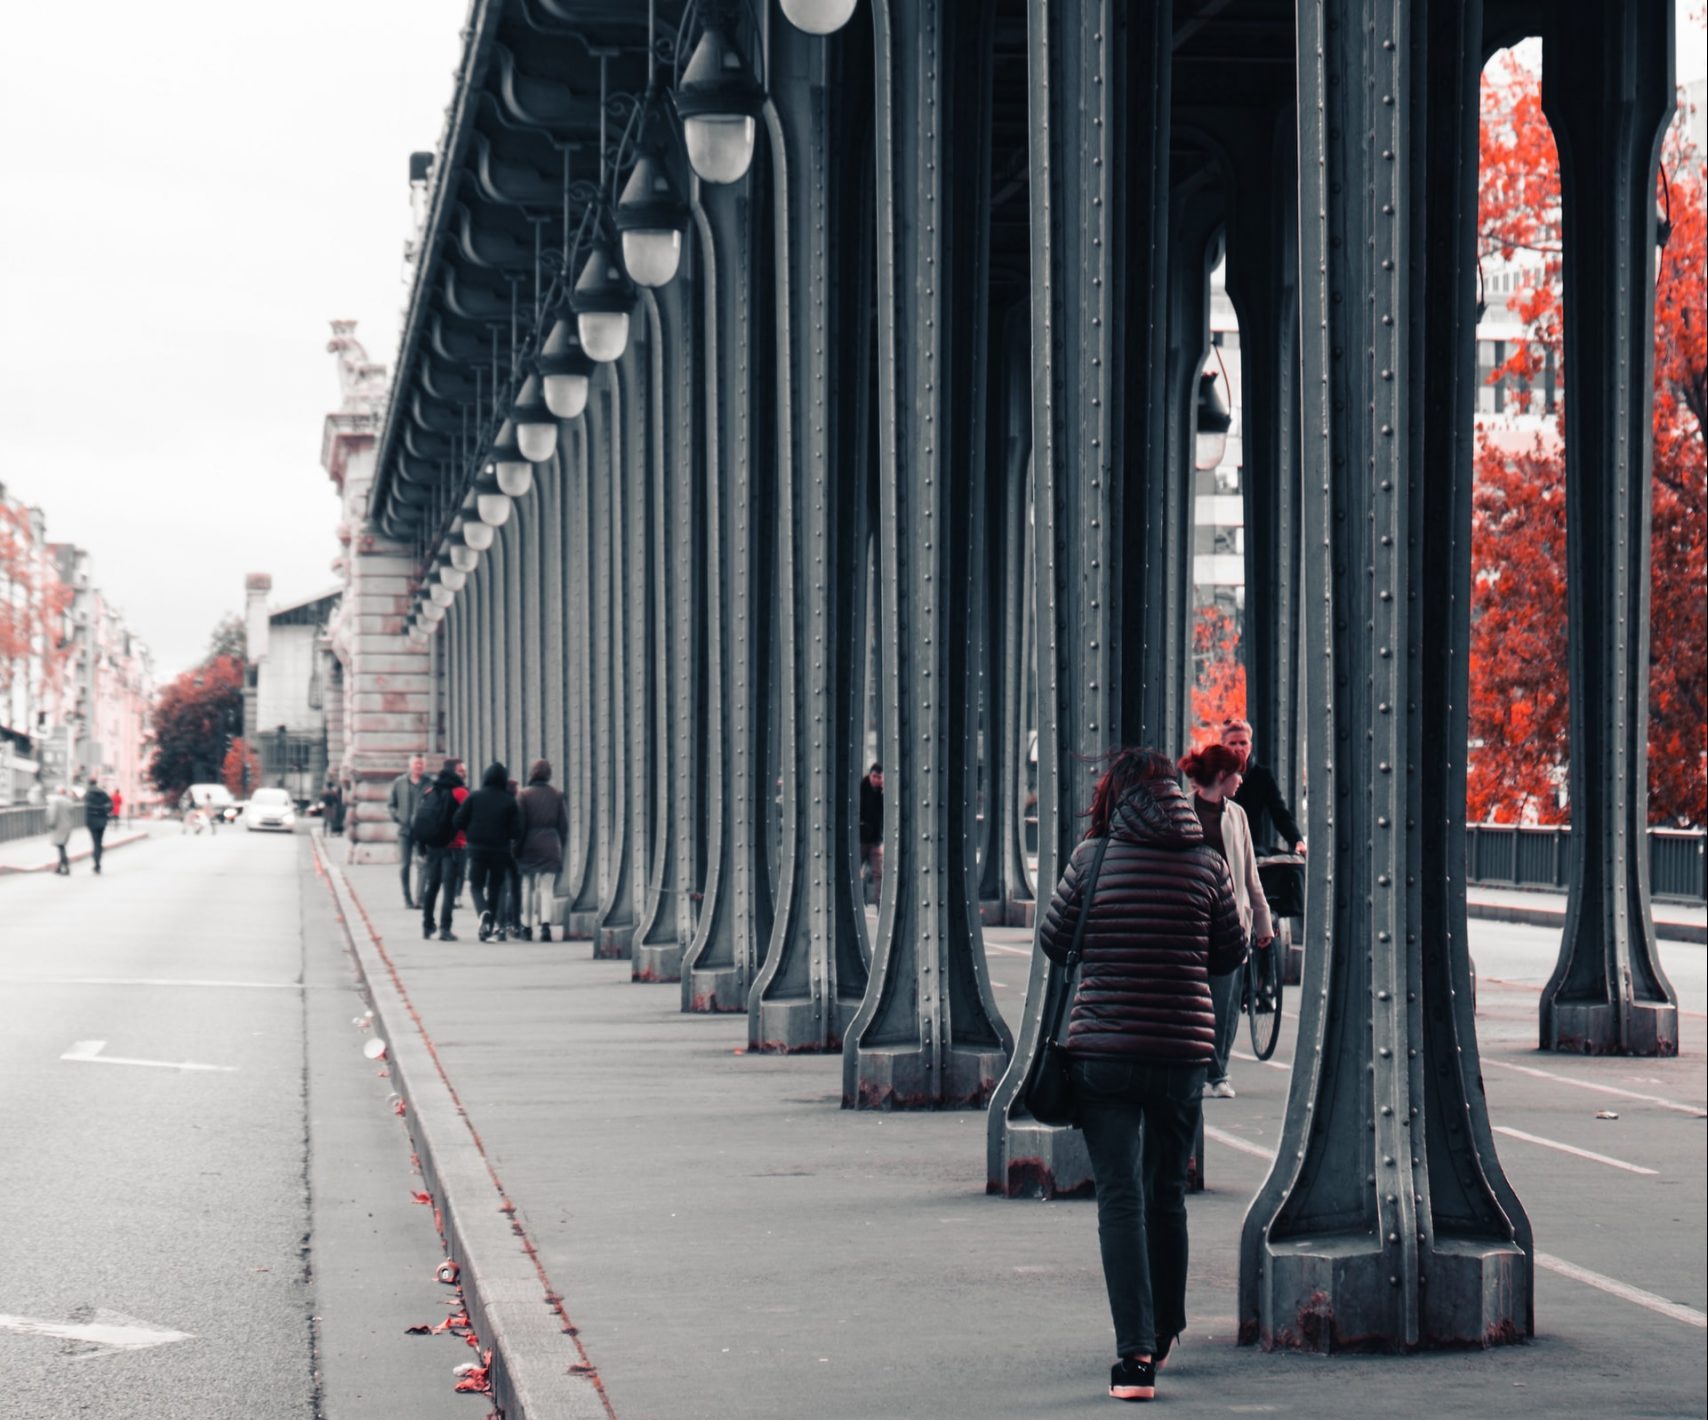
[(1263, 996)]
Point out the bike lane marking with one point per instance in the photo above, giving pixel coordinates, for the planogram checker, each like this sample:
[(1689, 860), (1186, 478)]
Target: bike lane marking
[(1573, 1149), (88, 1052), (1694, 1111), (1624, 1290)]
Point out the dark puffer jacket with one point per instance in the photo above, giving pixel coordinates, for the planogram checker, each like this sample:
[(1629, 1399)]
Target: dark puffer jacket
[(1163, 921), (490, 816)]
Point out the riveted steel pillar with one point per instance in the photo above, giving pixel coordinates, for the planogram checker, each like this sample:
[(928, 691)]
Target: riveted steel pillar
[(510, 649), (1607, 89), (735, 915), (813, 976), (674, 572), (1263, 284), (580, 871), (1101, 81), (488, 688), (1386, 1222), (554, 650), (928, 1033)]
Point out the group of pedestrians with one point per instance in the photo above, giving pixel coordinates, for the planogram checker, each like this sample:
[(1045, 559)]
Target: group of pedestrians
[(65, 815), (1168, 890), (506, 841)]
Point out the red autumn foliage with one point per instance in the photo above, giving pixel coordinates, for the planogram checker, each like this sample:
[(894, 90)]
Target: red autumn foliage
[(192, 717), (241, 771), (1518, 714), (1218, 685)]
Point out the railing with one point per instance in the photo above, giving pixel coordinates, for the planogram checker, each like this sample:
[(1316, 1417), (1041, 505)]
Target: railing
[(23, 821), (1503, 855)]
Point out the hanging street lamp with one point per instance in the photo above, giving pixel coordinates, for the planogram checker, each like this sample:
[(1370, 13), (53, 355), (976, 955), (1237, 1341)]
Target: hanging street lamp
[(818, 17), (536, 424), (718, 100), (602, 299), (651, 217)]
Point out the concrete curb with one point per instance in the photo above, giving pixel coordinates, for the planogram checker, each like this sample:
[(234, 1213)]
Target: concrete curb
[(1545, 917), (107, 846), (516, 1312)]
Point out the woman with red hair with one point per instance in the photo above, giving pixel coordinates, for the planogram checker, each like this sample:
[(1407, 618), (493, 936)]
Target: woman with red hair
[(1160, 920), (1216, 772)]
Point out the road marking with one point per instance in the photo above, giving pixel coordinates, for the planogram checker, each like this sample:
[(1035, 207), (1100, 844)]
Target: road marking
[(1689, 1315), (1233, 1141), (1694, 1111), (149, 981), (1590, 1154), (88, 1052), (110, 1331), (1012, 951), (1272, 1064), (1002, 984)]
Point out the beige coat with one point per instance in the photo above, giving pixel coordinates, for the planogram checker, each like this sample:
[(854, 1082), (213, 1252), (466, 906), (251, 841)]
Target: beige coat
[(1242, 867), (63, 815)]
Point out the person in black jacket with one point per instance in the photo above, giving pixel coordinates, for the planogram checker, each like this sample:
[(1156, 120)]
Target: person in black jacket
[(872, 830), (1141, 1035), (97, 812), (1259, 795), (493, 823)]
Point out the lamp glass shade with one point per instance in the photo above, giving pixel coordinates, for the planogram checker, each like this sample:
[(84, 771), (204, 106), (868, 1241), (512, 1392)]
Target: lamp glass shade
[(441, 594), (463, 557), (720, 147), (478, 535), (433, 612), (515, 477), (566, 395), (819, 17), (493, 509), (537, 439), (652, 255), (452, 578), (604, 334)]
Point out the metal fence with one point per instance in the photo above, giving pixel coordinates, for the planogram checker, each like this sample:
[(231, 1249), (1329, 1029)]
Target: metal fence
[(23, 821), (1503, 855)]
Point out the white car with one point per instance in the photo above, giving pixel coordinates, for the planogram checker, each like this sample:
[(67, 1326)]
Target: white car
[(271, 809)]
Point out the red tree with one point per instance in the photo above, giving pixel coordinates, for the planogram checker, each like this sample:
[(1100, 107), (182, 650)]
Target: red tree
[(1218, 683), (1518, 718), (241, 771)]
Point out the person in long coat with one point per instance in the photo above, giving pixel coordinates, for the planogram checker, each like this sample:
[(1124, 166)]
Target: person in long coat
[(545, 830), (63, 816)]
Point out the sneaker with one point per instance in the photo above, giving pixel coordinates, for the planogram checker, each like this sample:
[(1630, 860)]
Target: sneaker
[(527, 934), (1221, 1090), (447, 935), (1132, 1380), (426, 931), (484, 931), (545, 933)]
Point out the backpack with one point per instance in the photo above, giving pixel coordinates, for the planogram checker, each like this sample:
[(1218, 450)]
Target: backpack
[(432, 827)]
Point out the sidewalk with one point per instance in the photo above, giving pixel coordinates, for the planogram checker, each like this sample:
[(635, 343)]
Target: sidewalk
[(652, 1225), (38, 855), (1674, 921)]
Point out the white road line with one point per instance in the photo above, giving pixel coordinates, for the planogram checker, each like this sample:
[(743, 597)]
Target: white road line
[(1233, 1141), (110, 1331), (1272, 1064), (1012, 951), (1624, 1290), (1694, 1111), (1002, 984), (149, 981), (88, 1052), (1589, 1154)]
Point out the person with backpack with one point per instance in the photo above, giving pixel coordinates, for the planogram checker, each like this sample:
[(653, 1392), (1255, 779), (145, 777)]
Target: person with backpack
[(493, 823), (434, 830), (97, 812), (545, 829)]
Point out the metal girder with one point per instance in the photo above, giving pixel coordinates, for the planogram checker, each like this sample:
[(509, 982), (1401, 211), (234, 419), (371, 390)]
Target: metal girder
[(1386, 1222), (1607, 89), (1101, 82), (735, 915), (813, 975), (928, 1033), (580, 886)]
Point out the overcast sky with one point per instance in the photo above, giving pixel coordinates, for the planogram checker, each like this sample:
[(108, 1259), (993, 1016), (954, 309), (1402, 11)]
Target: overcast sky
[(190, 192)]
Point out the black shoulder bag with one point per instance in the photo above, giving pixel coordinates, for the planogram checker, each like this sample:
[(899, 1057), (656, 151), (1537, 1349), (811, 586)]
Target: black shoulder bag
[(1049, 1093)]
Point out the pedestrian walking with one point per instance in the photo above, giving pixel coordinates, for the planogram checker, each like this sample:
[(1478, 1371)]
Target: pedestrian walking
[(434, 828), (401, 804), (492, 822), (1160, 921), (872, 831), (63, 816), (332, 808), (1215, 775), (1259, 795), (545, 830), (97, 812), (118, 805)]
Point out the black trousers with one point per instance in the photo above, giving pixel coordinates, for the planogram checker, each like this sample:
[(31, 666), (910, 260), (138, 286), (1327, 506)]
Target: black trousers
[(489, 871), (444, 870), (406, 855), (96, 832)]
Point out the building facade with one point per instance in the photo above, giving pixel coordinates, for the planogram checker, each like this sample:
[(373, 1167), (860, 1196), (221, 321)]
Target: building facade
[(288, 683)]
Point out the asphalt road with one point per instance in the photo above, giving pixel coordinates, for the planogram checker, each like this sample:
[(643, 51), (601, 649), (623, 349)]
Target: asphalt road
[(209, 1200)]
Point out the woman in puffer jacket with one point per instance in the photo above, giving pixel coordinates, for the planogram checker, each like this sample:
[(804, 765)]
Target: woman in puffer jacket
[(1141, 1036)]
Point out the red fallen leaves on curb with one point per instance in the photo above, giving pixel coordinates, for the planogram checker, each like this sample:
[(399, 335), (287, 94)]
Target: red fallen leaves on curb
[(399, 1109), (473, 1378), (580, 1369), (422, 1197)]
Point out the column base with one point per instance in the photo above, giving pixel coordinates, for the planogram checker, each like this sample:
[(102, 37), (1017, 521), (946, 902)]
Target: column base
[(580, 926), (1592, 1028), (715, 990), (1338, 1295), (657, 961), (614, 943), (1043, 1161), (1019, 912), (799, 1027), (902, 1078)]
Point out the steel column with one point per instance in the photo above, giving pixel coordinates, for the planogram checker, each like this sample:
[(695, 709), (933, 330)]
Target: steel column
[(1101, 81), (928, 1033), (1607, 89), (554, 648), (580, 869), (512, 648), (1386, 1222)]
